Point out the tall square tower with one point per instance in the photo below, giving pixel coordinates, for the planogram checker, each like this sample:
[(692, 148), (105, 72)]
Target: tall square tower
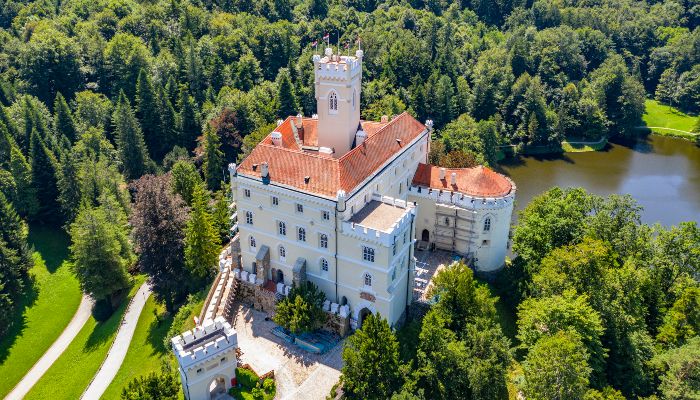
[(338, 82)]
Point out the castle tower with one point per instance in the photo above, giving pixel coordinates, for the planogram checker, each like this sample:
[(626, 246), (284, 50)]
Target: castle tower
[(207, 359), (338, 81)]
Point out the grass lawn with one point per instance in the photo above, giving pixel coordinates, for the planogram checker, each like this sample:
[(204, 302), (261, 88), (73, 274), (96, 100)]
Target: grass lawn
[(70, 375), (661, 115), (46, 310), (147, 350), (568, 147)]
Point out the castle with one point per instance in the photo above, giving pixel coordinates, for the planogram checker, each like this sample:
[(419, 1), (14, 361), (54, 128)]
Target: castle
[(341, 201)]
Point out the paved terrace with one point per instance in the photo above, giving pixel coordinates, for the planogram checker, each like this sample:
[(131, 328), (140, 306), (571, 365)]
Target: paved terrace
[(428, 263), (378, 215), (298, 374)]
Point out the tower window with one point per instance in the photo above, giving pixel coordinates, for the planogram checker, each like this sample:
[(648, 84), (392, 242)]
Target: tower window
[(275, 201), (368, 279), (487, 224), (300, 208), (353, 98), (326, 215), (252, 243), (367, 253), (246, 192), (249, 218), (283, 253), (324, 241), (324, 265), (333, 103), (301, 234)]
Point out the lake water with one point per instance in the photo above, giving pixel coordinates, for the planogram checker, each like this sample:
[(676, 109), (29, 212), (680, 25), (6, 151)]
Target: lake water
[(661, 173)]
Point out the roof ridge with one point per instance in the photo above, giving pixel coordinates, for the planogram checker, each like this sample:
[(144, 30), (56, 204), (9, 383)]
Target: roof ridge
[(376, 134)]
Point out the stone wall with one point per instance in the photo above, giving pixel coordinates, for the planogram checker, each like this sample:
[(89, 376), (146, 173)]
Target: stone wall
[(336, 323), (265, 300)]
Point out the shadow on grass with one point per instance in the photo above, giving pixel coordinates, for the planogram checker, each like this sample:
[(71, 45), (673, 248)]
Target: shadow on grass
[(157, 332), (52, 245)]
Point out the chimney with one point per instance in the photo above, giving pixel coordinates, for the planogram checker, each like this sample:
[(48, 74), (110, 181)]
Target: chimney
[(442, 173), (264, 170), (299, 121), (384, 119), (453, 179), (279, 122), (360, 137), (276, 138)]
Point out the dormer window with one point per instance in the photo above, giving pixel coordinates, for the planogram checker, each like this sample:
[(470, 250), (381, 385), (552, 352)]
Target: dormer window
[(333, 102)]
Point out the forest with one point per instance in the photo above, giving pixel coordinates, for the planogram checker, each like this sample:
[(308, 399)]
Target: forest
[(117, 114)]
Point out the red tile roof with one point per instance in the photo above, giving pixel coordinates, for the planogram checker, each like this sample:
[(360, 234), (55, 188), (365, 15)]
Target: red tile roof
[(289, 164), (478, 181)]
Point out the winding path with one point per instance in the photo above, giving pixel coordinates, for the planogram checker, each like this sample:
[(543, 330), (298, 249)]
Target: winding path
[(110, 366), (668, 129), (57, 348)]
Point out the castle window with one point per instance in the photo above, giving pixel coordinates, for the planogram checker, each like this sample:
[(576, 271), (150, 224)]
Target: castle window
[(326, 215), (249, 218), (353, 98), (333, 103), (300, 208), (275, 201), (323, 239), (246, 192), (283, 253), (282, 228), (252, 243), (393, 250), (487, 224), (447, 221), (368, 279), (393, 274), (301, 234), (367, 253), (486, 243), (324, 265)]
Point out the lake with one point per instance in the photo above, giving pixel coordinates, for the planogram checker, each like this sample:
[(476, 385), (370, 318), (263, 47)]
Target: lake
[(661, 173)]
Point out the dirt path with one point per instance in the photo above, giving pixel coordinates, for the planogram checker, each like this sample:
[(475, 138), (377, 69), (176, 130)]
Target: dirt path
[(57, 348)]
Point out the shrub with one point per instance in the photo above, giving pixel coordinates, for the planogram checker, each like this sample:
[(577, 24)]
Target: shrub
[(247, 378)]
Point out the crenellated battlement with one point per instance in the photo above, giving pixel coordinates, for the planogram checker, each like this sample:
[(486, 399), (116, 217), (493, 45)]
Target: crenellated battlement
[(379, 220), (204, 342), (463, 200)]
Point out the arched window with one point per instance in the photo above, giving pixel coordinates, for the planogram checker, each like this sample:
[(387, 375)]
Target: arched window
[(487, 224), (323, 241), (283, 253), (368, 279), (301, 234), (249, 218), (252, 243), (333, 103), (282, 228), (324, 265)]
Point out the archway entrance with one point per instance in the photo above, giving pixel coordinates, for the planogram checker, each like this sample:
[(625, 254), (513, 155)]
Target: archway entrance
[(217, 387), (363, 314), (279, 278), (425, 235)]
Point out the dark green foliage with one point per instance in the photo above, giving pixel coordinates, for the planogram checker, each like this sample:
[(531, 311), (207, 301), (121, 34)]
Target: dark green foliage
[(148, 113), (69, 187), (681, 371), (220, 213), (45, 170), (154, 386), (190, 127), (26, 201), (130, 144), (372, 369), (301, 310), (63, 119), (184, 180), (201, 238), (100, 251), (15, 262), (213, 162), (286, 98)]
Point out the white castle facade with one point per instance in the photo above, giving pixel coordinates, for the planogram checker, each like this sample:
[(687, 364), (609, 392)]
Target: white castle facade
[(343, 201)]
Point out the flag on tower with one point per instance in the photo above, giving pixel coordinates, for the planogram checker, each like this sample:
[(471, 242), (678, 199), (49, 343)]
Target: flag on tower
[(327, 37), (314, 43)]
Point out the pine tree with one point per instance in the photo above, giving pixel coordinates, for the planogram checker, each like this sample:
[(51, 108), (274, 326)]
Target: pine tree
[(8, 124), (26, 202), (213, 160), (63, 119), (169, 124), (6, 143), (148, 114), (217, 76), (44, 173), (194, 72), (130, 144), (171, 89), (190, 128), (286, 99), (201, 239), (221, 214), (15, 262), (69, 187)]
